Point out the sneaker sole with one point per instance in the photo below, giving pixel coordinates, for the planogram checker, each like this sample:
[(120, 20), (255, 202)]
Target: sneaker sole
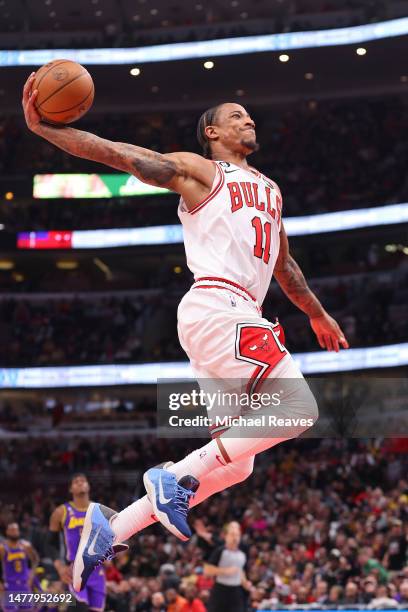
[(162, 516), (78, 566)]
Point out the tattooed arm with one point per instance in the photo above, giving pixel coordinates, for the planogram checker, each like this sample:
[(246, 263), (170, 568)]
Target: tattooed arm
[(293, 283), (186, 173)]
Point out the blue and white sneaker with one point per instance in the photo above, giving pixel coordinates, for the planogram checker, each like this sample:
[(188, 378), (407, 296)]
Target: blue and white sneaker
[(96, 544), (170, 499)]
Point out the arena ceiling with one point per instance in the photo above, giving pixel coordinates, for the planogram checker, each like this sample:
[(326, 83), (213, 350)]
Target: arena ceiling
[(114, 15), (252, 79), (255, 79)]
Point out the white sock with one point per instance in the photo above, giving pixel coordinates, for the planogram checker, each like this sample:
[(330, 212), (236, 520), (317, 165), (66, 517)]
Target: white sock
[(221, 452), (200, 462), (140, 514), (132, 519)]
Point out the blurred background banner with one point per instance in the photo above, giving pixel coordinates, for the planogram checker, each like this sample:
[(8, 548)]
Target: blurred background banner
[(168, 234), (90, 186), (317, 362), (213, 48)]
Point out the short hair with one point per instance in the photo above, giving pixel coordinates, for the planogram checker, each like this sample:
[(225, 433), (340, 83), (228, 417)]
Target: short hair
[(12, 522), (206, 119), (77, 475), (228, 525)]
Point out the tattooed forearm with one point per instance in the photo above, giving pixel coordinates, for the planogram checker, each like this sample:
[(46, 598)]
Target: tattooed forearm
[(149, 166), (293, 283), (155, 168)]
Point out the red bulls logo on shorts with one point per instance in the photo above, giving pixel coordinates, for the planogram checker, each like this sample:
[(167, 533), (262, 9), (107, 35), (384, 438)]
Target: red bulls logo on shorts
[(261, 344)]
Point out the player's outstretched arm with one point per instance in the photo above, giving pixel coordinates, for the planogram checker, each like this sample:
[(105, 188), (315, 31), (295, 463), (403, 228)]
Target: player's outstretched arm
[(186, 173), (290, 277)]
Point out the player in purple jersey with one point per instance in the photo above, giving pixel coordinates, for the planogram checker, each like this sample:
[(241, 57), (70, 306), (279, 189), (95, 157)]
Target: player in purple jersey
[(19, 561), (68, 518)]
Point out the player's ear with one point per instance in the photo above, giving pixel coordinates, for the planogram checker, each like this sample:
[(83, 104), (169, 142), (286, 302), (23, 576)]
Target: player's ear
[(211, 131)]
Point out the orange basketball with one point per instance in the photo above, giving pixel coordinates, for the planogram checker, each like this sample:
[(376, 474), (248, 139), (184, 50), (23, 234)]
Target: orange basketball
[(65, 91)]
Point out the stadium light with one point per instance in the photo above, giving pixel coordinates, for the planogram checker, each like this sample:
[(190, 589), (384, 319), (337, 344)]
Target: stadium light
[(6, 264), (66, 264)]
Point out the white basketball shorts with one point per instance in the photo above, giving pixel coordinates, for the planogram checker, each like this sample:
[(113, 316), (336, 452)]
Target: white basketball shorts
[(222, 330)]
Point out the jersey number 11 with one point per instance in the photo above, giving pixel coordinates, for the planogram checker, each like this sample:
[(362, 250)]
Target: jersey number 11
[(260, 250)]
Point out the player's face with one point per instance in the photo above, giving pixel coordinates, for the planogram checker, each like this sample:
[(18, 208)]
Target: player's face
[(13, 531), (79, 486), (235, 129)]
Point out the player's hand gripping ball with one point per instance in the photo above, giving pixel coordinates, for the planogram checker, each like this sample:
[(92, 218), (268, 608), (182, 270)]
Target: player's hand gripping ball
[(65, 91)]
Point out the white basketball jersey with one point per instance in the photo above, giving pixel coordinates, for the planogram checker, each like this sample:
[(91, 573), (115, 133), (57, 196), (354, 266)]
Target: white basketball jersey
[(233, 234)]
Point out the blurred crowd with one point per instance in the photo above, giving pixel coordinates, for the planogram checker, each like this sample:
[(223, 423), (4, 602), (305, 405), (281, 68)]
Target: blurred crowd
[(74, 215), (73, 331), (211, 21), (143, 327), (23, 413), (47, 456), (323, 522), (325, 156)]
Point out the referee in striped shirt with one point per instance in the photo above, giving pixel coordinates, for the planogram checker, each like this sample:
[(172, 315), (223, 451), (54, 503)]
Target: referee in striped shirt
[(227, 563)]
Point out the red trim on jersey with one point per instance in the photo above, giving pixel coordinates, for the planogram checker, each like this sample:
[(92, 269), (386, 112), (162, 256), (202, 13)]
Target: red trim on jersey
[(279, 208), (216, 434), (212, 193), (218, 287), (217, 430), (257, 378), (255, 171), (227, 282)]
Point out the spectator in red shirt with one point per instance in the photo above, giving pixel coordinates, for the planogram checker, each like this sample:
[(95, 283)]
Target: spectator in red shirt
[(112, 573), (193, 604), (175, 602), (203, 582)]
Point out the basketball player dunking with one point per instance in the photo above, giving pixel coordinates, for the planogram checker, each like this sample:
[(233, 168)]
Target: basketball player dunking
[(234, 240)]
